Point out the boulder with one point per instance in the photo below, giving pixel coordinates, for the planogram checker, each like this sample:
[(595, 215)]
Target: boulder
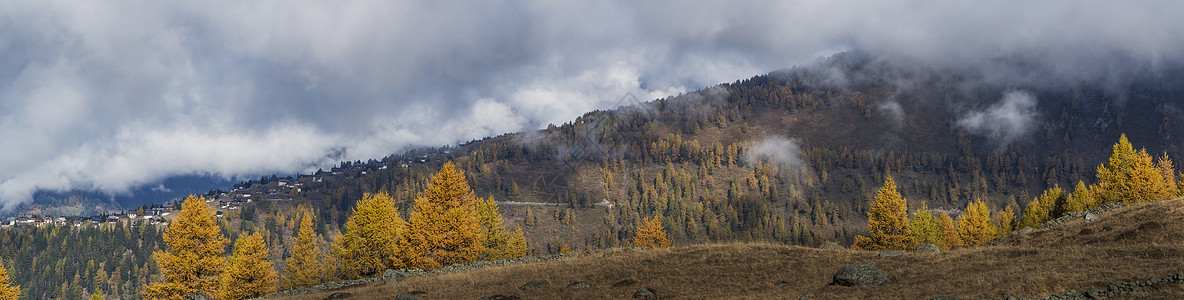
[(500, 297), (1090, 217), (861, 274), (890, 253), (339, 295), (1024, 230), (402, 296), (927, 248), (530, 285), (644, 293), (579, 285), (831, 245)]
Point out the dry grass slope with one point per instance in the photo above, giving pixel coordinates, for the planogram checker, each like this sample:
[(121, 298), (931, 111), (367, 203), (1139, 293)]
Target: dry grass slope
[(1131, 243)]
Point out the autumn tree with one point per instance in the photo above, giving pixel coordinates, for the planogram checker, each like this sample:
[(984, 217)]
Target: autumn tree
[(249, 274), (974, 226), (651, 234), (1005, 221), (499, 244), (373, 236), (1131, 176), (888, 222), (194, 260), (444, 228), (1081, 199), (8, 291), (925, 226), (1043, 208), (305, 267), (949, 232)]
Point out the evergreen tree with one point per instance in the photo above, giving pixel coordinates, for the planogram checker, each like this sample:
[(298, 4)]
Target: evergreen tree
[(305, 267), (194, 260), (444, 228), (372, 239), (1131, 176), (888, 222), (651, 234), (8, 291), (949, 232), (1005, 221), (926, 227), (974, 226), (499, 244), (249, 274)]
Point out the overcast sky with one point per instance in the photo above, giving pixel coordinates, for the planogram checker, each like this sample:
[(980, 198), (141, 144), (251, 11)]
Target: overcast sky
[(108, 95)]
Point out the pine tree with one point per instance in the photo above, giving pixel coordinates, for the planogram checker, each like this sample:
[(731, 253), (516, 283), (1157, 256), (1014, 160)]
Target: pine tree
[(305, 267), (651, 234), (1005, 221), (926, 227), (8, 291), (949, 232), (974, 226), (373, 236), (498, 242), (444, 228), (888, 222), (194, 260), (249, 274)]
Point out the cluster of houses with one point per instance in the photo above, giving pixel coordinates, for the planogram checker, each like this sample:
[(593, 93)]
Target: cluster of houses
[(153, 215)]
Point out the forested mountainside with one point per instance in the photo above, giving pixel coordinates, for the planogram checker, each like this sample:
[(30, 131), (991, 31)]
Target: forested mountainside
[(793, 157), (796, 155)]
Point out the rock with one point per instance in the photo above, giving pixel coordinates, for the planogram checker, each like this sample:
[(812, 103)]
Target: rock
[(623, 283), (831, 245), (402, 296), (1090, 217), (944, 298), (861, 274), (339, 295), (644, 293), (500, 297), (890, 253), (806, 296), (393, 276), (1024, 230), (579, 285), (530, 285), (927, 248), (782, 283)]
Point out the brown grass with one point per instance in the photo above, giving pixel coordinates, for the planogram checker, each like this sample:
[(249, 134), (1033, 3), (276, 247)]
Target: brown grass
[(1128, 244)]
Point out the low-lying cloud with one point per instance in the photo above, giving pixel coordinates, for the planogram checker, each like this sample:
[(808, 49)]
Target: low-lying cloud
[(777, 149), (1005, 121), (110, 95)]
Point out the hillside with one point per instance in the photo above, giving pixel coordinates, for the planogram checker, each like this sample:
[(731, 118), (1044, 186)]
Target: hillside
[(1129, 244)]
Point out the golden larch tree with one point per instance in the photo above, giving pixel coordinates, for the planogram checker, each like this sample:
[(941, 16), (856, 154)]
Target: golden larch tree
[(949, 232), (651, 234), (499, 244), (249, 274), (8, 291), (888, 221), (305, 266), (1168, 172), (444, 228), (974, 226), (1081, 199), (1131, 176), (373, 236), (1005, 221), (925, 226), (194, 259)]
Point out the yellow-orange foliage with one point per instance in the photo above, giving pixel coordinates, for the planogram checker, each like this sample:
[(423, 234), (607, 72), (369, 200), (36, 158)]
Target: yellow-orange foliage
[(888, 221), (193, 263), (444, 228), (1131, 176), (305, 267), (974, 226), (8, 291), (249, 274), (499, 244), (651, 234), (949, 232), (373, 236)]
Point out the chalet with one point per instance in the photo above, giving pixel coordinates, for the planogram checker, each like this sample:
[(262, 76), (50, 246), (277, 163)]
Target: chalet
[(112, 219), (218, 214)]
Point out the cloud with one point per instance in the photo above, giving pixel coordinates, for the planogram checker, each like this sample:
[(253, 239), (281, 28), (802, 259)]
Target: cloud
[(113, 95), (780, 150), (1005, 121)]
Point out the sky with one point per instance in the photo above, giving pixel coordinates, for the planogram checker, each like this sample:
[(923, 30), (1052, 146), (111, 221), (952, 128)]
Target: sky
[(110, 95)]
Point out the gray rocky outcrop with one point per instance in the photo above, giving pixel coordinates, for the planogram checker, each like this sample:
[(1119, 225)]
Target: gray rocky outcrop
[(927, 248), (860, 274)]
